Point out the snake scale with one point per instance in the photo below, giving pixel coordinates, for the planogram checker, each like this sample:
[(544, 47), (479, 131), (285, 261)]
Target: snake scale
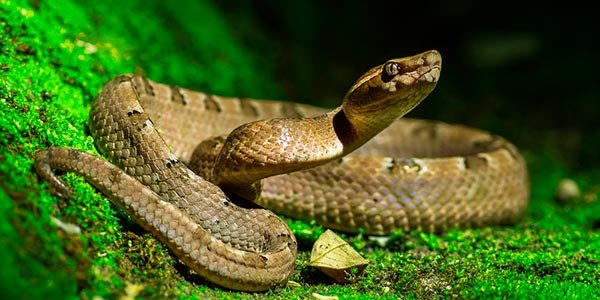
[(409, 174)]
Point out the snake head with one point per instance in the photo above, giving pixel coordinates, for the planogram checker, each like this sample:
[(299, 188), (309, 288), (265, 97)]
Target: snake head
[(392, 89)]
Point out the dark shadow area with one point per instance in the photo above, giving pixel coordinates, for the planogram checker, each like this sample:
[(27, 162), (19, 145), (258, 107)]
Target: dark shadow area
[(525, 70)]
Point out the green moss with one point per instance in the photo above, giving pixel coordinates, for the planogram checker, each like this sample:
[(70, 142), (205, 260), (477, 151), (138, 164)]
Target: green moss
[(56, 55)]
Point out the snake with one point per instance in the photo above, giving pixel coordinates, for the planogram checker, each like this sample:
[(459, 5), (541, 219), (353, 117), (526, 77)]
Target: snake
[(184, 165)]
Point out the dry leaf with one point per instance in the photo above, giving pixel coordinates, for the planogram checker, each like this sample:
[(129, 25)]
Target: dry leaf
[(336, 258), (323, 297)]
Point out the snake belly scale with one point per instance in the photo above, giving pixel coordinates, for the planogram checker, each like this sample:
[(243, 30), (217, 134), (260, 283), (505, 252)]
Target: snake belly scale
[(300, 160)]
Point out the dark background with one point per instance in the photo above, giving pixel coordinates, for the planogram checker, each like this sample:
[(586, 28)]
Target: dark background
[(525, 70)]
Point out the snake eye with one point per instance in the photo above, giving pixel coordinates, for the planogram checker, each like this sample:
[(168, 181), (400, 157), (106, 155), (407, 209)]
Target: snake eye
[(390, 70)]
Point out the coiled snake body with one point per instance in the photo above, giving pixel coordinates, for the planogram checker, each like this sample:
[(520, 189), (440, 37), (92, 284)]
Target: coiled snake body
[(413, 175)]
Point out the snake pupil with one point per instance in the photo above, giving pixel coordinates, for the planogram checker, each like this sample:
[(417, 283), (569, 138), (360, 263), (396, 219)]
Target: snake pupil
[(390, 70)]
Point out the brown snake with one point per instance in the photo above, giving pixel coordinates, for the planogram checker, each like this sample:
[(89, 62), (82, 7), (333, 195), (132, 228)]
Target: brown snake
[(413, 175)]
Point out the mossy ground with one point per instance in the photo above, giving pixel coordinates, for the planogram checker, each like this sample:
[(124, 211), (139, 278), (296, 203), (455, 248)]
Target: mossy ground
[(56, 55)]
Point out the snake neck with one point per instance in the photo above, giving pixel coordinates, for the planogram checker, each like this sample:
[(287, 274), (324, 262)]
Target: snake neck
[(355, 131), (280, 146), (277, 146)]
